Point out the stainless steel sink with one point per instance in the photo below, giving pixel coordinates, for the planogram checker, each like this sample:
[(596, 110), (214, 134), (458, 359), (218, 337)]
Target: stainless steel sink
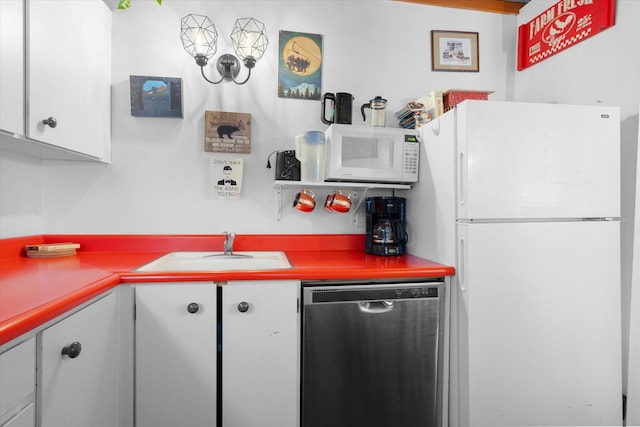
[(219, 261)]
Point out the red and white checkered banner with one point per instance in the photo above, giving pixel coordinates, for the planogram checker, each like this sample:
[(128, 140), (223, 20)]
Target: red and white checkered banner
[(564, 24)]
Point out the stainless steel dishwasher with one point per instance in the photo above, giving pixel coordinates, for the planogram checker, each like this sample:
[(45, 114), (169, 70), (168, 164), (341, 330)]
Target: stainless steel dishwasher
[(373, 354)]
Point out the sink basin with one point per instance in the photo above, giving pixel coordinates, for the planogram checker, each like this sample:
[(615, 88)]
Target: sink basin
[(218, 261)]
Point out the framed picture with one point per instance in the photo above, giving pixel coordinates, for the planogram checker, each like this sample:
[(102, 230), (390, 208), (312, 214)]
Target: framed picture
[(156, 96), (226, 132), (299, 65), (454, 51)]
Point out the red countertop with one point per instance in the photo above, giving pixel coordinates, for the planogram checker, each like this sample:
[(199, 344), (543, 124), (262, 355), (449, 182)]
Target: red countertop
[(36, 290)]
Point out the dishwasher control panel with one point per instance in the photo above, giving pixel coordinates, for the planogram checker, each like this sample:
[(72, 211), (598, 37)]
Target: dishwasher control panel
[(376, 292)]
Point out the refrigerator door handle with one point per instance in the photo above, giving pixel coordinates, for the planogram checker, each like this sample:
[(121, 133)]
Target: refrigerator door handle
[(462, 256), (462, 194)]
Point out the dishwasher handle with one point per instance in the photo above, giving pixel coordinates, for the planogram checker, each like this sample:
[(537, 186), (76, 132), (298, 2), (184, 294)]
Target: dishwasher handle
[(376, 307)]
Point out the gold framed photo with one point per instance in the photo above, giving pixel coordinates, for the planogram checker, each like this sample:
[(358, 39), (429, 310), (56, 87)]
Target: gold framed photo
[(454, 51)]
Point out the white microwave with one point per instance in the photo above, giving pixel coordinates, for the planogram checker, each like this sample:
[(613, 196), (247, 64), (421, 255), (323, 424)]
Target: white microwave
[(371, 154)]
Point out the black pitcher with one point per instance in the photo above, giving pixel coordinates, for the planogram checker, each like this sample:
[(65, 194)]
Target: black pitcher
[(341, 108)]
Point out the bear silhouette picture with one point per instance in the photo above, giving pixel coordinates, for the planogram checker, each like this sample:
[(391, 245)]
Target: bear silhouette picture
[(231, 131), (227, 132)]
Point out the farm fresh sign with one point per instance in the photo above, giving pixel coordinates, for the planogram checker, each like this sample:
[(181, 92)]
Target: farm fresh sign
[(564, 24)]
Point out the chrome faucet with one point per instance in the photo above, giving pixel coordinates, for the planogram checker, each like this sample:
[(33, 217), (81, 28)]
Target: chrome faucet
[(228, 242)]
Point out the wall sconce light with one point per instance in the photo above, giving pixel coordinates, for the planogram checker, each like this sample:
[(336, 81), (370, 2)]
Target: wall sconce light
[(199, 39)]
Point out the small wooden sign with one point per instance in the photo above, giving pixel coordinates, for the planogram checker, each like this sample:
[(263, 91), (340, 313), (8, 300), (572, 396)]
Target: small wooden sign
[(564, 24), (227, 132)]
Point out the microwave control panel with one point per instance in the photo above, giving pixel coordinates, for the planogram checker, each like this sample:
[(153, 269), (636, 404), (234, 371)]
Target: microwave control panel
[(411, 162)]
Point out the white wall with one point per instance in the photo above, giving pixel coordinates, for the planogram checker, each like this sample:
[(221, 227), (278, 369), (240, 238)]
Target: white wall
[(633, 391), (159, 180), (604, 69), (20, 195)]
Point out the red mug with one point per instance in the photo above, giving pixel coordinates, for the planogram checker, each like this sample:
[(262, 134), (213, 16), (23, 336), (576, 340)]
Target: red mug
[(304, 201), (338, 202)]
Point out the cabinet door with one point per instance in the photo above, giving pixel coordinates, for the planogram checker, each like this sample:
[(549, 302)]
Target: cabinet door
[(68, 74), (176, 354), (12, 66), (539, 346), (18, 384), (26, 418), (80, 389), (260, 354)]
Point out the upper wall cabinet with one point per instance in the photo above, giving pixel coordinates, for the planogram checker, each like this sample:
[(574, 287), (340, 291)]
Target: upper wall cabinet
[(66, 78), (12, 66)]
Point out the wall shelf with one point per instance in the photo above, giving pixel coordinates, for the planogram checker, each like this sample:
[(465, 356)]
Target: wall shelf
[(359, 191), (329, 184)]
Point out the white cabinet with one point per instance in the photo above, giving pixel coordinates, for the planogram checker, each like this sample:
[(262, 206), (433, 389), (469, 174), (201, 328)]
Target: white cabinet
[(260, 354), (12, 66), (68, 74), (26, 418), (59, 103), (18, 385), (176, 354), (178, 344), (77, 379)]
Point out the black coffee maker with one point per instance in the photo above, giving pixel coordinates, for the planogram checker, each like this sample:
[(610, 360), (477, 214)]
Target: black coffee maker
[(386, 231)]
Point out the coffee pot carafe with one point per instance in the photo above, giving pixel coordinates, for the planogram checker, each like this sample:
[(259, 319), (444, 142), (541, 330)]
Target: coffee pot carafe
[(385, 226), (387, 231), (341, 108), (378, 107)]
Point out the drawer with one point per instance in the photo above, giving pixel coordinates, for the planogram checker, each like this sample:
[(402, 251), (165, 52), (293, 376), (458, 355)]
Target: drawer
[(18, 373), (26, 418)]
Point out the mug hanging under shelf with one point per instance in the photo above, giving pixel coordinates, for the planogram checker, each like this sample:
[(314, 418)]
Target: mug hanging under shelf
[(354, 186)]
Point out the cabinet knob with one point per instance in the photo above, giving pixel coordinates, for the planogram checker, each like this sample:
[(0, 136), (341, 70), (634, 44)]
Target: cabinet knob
[(51, 122), (193, 307), (243, 307), (72, 350)]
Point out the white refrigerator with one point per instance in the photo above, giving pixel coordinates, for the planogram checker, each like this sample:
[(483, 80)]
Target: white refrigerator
[(524, 200)]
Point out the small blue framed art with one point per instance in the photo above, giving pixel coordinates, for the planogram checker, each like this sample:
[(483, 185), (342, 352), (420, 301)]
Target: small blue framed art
[(156, 96)]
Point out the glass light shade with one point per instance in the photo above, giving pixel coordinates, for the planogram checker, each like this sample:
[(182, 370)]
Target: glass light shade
[(199, 36), (249, 38)]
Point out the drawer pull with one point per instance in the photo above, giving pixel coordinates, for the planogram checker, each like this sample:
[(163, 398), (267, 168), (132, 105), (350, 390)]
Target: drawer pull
[(72, 350), (51, 122)]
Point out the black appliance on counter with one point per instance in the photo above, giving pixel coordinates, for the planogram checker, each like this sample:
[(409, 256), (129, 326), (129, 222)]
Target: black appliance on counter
[(287, 166), (386, 226)]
